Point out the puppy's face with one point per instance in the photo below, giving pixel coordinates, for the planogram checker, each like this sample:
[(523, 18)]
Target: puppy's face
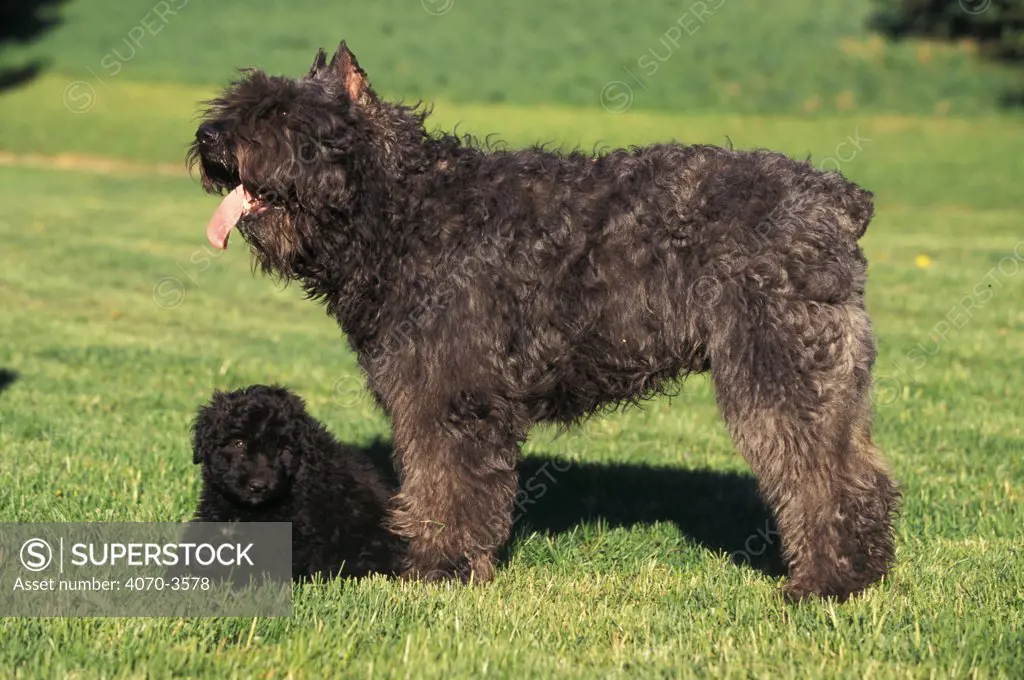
[(278, 148), (250, 443)]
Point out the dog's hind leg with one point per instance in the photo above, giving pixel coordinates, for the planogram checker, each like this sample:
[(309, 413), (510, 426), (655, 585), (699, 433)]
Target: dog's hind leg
[(457, 458), (792, 379)]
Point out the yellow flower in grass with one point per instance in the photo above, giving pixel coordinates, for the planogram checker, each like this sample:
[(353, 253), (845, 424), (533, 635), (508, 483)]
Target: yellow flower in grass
[(923, 261)]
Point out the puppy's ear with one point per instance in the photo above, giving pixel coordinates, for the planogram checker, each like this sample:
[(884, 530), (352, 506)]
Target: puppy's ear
[(292, 457), (204, 427), (345, 70), (305, 434), (296, 403), (197, 438)]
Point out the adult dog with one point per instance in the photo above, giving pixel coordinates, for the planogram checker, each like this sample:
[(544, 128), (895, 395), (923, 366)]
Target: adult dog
[(486, 290)]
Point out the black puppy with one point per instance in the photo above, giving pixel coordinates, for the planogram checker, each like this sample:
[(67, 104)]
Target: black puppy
[(265, 459)]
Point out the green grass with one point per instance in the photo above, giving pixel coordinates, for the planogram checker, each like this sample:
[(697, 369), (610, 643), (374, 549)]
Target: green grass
[(623, 568), (747, 56)]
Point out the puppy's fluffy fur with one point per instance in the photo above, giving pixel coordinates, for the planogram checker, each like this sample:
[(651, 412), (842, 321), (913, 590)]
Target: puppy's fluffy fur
[(265, 459)]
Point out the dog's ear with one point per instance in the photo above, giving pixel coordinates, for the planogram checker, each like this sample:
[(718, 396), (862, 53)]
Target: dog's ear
[(292, 459), (198, 426), (305, 434), (345, 69), (205, 425), (319, 64)]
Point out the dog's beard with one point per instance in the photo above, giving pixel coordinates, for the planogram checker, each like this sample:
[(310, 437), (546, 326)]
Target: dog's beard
[(267, 227), (242, 497), (272, 238), (254, 500)]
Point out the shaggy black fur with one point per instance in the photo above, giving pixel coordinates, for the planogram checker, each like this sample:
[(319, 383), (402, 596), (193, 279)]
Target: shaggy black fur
[(266, 460), (485, 290)]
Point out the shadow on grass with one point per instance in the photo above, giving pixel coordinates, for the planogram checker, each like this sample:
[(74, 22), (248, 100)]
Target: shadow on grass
[(7, 379), (720, 511), (23, 22)]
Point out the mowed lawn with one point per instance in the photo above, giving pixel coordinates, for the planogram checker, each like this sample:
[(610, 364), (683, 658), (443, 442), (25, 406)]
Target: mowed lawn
[(647, 552), (725, 56)]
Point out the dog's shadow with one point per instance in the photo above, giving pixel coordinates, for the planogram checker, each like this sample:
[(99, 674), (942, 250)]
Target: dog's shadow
[(720, 511)]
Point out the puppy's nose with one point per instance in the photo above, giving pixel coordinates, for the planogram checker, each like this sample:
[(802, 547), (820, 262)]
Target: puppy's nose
[(208, 134), (257, 484)]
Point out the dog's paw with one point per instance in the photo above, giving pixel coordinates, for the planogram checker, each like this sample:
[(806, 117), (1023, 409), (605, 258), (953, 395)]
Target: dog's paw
[(432, 576), (463, 570), (798, 591)]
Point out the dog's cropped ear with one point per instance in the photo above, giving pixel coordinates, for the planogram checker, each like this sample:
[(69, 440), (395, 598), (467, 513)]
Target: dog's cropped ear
[(345, 69), (319, 64)]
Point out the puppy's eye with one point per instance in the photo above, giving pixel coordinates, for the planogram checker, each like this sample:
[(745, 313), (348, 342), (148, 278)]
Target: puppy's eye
[(238, 444)]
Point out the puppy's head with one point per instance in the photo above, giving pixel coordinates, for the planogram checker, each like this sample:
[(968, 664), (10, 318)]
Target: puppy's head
[(250, 442), (281, 150)]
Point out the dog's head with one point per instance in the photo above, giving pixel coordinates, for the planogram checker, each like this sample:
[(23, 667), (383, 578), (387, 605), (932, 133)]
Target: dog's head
[(251, 442), (281, 150)]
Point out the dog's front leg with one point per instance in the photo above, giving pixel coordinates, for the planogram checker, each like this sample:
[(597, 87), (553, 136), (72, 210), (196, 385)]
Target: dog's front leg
[(458, 483)]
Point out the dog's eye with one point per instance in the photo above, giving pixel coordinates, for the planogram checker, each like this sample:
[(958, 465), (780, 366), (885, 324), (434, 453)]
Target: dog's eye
[(238, 444)]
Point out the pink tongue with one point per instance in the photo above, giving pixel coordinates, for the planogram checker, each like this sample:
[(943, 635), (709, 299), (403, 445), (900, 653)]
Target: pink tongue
[(226, 216)]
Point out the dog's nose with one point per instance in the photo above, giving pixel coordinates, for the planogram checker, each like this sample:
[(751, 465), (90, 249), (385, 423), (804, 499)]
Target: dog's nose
[(207, 134), (257, 484)]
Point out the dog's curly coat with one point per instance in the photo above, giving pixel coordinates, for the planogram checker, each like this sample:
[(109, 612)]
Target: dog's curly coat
[(485, 290), (265, 459)]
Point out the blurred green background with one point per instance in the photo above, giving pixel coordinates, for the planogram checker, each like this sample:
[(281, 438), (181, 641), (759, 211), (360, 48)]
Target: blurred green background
[(737, 56), (779, 57)]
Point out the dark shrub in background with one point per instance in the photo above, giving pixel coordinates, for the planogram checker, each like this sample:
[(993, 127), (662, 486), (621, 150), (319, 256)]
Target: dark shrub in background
[(997, 25)]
